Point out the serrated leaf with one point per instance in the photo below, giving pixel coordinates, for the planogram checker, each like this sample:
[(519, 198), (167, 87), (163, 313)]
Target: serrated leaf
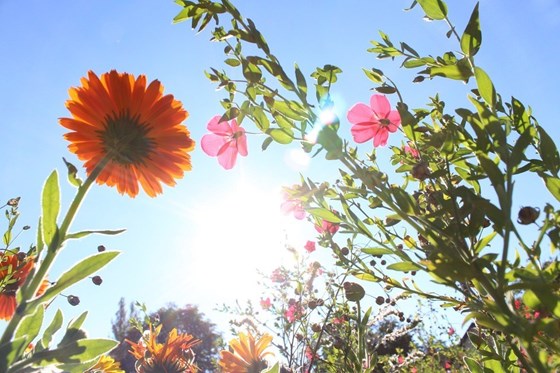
[(324, 214), (80, 271), (108, 232), (404, 266), (434, 9), (485, 86), (50, 207), (472, 37)]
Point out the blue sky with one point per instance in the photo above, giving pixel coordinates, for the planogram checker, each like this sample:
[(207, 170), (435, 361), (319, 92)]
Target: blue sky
[(193, 243)]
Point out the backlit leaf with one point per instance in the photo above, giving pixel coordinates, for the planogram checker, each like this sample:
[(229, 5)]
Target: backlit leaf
[(50, 207), (434, 9), (485, 86), (472, 37)]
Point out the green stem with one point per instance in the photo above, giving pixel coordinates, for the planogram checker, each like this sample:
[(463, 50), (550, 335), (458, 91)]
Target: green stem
[(31, 286)]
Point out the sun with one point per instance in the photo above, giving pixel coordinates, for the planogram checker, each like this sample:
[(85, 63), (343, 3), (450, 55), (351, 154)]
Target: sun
[(237, 233)]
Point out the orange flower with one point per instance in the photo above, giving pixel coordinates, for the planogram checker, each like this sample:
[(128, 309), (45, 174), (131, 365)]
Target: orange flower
[(246, 355), (105, 364), (133, 127), (13, 273), (173, 356)]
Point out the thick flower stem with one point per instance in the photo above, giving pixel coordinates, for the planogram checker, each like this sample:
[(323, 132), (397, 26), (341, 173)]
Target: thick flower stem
[(33, 283)]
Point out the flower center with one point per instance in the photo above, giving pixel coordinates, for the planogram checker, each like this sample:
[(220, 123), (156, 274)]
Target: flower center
[(125, 139), (384, 121)]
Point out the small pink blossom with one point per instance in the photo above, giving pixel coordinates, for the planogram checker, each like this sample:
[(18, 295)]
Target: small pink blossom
[(226, 141), (413, 370), (412, 151), (266, 303), (327, 227), (450, 331), (374, 121), (292, 206), (517, 304), (294, 312), (400, 360), (278, 275), (310, 246)]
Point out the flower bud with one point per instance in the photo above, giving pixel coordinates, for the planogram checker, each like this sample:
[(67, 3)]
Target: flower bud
[(100, 248), (97, 280)]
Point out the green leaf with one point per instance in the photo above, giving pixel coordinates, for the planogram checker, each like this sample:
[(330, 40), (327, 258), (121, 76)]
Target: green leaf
[(473, 366), (53, 327), (234, 62), (50, 207), (72, 173), (76, 352), (404, 266), (458, 71), (354, 292), (472, 37), (485, 86), (273, 369), (300, 79), (553, 185), (267, 141), (109, 232), (281, 135), (481, 244), (374, 75), (11, 351), (324, 214), (548, 151), (260, 118), (434, 9), (30, 326), (251, 72), (80, 271), (377, 250)]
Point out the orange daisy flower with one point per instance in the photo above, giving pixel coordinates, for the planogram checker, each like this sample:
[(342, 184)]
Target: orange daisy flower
[(129, 128), (173, 356), (13, 273), (105, 364), (246, 355)]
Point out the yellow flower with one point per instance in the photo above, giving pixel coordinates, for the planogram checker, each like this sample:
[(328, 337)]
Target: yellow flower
[(105, 364), (173, 356), (132, 130), (246, 355)]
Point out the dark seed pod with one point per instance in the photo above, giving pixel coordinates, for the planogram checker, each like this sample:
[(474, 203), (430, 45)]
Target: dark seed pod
[(73, 300), (528, 215), (97, 280)]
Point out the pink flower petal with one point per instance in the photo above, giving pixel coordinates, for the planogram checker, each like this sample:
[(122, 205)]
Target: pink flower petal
[(228, 157), (380, 105), (381, 137), (394, 117), (364, 132), (360, 113), (211, 144), (242, 144), (219, 128)]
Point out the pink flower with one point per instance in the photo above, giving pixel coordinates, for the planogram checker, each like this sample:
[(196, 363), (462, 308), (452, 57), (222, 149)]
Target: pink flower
[(413, 370), (451, 331), (225, 142), (266, 303), (412, 151), (294, 312), (310, 246), (374, 121), (278, 275), (327, 227), (292, 206), (400, 360)]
